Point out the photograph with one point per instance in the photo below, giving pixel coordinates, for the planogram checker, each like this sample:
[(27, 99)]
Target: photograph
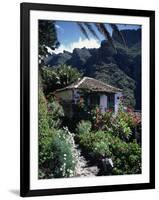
[(89, 99)]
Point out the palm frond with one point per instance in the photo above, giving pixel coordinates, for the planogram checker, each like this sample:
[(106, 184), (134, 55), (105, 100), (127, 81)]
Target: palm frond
[(91, 30), (83, 30), (102, 29), (115, 28)]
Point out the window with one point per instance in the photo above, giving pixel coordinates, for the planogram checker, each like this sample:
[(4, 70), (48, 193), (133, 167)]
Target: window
[(94, 100), (111, 101)]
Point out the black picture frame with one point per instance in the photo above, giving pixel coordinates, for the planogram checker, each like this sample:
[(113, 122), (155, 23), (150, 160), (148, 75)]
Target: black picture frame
[(25, 9)]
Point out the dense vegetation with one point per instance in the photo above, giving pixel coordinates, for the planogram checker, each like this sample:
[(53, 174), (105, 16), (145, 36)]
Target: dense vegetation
[(116, 137), (102, 135), (113, 136), (56, 158), (47, 39), (58, 77)]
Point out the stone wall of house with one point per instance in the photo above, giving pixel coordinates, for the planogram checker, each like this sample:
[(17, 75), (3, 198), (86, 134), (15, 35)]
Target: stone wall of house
[(65, 95), (66, 101)]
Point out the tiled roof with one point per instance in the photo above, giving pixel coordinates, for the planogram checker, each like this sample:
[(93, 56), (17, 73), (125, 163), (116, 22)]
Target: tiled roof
[(91, 84)]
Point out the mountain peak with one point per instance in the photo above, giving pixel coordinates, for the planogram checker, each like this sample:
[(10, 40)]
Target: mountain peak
[(131, 37)]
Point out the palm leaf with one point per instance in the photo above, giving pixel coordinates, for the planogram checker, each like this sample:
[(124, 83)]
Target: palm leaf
[(102, 29), (83, 30), (92, 31), (115, 28)]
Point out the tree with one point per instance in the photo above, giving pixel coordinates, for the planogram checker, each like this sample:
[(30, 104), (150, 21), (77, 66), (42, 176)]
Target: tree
[(59, 77), (47, 38), (67, 75)]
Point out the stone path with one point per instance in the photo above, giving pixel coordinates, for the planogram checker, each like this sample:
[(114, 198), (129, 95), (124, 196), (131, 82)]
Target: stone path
[(82, 168)]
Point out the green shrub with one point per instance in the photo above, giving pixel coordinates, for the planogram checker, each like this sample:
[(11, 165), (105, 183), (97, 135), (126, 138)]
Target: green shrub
[(107, 119), (112, 136), (43, 124), (84, 127), (46, 153), (55, 114), (58, 77), (55, 153), (97, 119), (126, 156), (96, 142), (85, 141), (127, 124), (63, 162), (121, 129), (50, 79), (45, 134), (122, 124), (56, 157), (102, 149)]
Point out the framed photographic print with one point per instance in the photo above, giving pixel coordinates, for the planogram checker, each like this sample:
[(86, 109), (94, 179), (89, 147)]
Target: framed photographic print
[(87, 99)]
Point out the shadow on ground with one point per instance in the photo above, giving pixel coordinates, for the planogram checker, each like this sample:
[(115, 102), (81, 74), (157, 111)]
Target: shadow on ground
[(15, 192)]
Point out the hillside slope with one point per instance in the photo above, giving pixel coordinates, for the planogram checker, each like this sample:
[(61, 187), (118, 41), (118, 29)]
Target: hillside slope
[(121, 68)]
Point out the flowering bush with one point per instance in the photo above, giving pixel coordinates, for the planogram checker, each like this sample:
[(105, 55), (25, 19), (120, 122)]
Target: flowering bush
[(100, 120), (130, 117), (126, 156), (62, 164), (57, 157), (125, 124), (113, 135), (55, 152)]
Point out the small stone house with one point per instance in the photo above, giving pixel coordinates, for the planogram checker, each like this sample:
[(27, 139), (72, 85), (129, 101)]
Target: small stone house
[(92, 92)]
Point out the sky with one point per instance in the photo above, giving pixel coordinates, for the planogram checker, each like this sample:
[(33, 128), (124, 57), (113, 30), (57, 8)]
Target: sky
[(70, 36)]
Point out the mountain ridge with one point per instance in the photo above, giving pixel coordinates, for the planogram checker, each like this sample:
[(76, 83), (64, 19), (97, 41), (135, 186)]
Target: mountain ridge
[(120, 68)]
